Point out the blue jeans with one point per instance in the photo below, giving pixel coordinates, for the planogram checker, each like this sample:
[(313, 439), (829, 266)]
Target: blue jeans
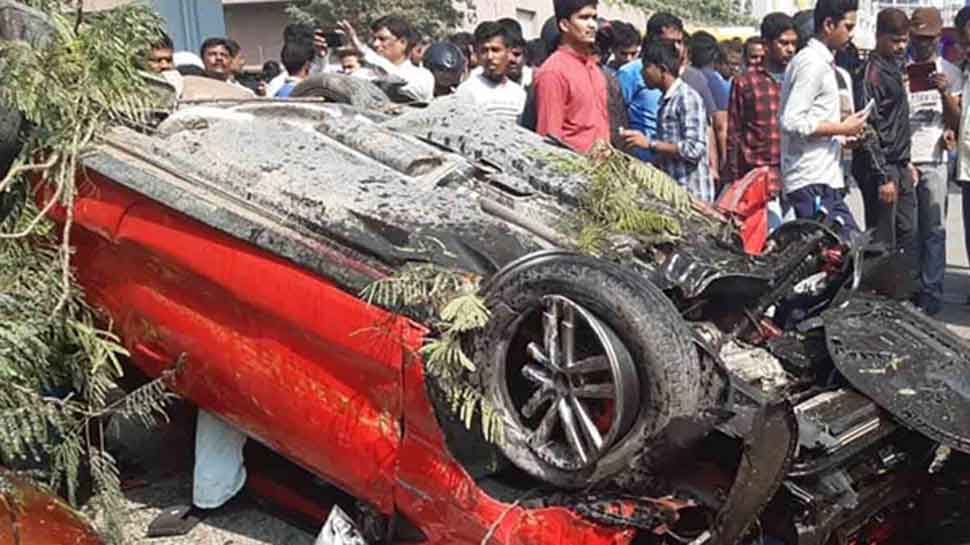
[(810, 201), (931, 198)]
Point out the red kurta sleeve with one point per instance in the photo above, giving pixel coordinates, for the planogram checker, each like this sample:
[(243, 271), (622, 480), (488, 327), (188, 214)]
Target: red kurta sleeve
[(550, 89)]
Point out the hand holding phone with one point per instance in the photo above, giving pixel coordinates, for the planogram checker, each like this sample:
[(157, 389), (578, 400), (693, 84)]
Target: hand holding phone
[(869, 107)]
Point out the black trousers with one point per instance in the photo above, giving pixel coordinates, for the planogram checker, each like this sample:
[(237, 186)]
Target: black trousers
[(894, 223)]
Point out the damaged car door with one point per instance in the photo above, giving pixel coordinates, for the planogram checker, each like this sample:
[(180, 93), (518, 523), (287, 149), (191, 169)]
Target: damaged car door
[(296, 363)]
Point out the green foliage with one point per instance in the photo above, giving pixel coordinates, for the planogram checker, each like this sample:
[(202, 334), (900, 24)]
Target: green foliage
[(435, 18), (621, 198), (724, 12), (58, 369), (450, 302)]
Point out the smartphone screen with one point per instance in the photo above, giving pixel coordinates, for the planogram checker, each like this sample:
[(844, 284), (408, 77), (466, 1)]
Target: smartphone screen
[(919, 76), (334, 39)]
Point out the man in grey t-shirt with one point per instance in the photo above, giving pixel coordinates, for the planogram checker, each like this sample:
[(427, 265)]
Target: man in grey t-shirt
[(932, 112)]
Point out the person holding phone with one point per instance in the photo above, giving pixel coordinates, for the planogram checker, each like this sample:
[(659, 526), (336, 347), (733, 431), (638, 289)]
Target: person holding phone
[(934, 109), (812, 127), (392, 41), (881, 166)]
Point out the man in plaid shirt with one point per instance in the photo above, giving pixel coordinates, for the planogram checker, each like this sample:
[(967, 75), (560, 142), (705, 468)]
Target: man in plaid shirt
[(754, 137), (681, 144)]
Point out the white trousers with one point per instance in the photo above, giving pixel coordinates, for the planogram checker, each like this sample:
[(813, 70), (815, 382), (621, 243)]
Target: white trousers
[(219, 471)]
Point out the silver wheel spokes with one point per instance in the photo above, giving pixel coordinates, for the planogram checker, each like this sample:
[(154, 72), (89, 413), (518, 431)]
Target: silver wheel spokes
[(566, 390)]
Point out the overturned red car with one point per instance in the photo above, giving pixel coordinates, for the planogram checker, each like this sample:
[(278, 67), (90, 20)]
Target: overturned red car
[(669, 390)]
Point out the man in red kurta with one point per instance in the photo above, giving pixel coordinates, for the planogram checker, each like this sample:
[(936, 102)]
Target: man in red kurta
[(570, 88)]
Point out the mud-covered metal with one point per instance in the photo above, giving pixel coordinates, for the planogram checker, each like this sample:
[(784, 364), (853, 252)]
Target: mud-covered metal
[(317, 176), (905, 362), (769, 444)]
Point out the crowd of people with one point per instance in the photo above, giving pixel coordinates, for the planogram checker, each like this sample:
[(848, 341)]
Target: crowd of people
[(796, 105)]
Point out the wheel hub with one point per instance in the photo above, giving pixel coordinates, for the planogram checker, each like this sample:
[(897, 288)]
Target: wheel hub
[(581, 395)]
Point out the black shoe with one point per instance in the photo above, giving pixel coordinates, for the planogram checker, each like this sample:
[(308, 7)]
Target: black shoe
[(177, 520)]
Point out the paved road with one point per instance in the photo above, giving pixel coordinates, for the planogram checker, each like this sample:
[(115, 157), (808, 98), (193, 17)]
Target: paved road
[(245, 524)]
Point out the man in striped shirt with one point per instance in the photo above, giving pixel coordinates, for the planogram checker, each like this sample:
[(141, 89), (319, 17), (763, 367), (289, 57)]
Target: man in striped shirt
[(681, 143), (491, 89)]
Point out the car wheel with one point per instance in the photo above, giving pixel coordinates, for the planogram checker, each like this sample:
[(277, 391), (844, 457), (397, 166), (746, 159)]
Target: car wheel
[(342, 89), (586, 363)]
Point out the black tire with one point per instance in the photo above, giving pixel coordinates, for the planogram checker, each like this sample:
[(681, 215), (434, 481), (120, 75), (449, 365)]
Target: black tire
[(637, 317), (342, 89)]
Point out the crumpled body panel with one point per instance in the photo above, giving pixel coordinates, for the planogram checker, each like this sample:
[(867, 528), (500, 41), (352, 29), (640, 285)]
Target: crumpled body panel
[(908, 364)]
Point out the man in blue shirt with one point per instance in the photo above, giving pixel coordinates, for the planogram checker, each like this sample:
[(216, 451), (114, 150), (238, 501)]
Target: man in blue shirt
[(641, 103)]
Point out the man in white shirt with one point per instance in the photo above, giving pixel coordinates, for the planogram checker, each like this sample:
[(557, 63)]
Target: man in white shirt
[(492, 89), (812, 128), (393, 38), (934, 109)]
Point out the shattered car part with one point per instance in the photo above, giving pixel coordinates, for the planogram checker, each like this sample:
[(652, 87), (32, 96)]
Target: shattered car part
[(908, 364), (245, 252), (754, 365)]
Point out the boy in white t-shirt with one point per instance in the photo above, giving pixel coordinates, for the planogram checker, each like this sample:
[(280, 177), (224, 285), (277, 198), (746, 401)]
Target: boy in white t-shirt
[(492, 89)]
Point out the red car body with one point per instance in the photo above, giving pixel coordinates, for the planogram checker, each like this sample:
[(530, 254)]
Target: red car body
[(311, 371)]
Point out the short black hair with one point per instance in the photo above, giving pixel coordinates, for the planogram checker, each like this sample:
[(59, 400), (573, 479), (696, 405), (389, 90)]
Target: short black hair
[(963, 18), (518, 42), (625, 35), (535, 52), (464, 40), (234, 47), (892, 21), (298, 32), (163, 42), (511, 25), (703, 49), (399, 27), (776, 24), (660, 54), (296, 55), (659, 21), (209, 43), (271, 69), (804, 25), (348, 51), (564, 9), (492, 29), (833, 9)]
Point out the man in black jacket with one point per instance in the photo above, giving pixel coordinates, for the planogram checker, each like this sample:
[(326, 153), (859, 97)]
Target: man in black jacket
[(882, 165)]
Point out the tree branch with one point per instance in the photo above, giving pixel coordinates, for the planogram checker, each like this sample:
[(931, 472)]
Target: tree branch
[(32, 167)]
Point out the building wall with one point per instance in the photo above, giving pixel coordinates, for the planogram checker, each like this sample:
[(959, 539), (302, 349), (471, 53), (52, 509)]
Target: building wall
[(258, 27)]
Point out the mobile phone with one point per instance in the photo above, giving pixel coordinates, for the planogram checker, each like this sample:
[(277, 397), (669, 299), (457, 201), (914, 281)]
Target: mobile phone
[(869, 106), (334, 39), (920, 76)]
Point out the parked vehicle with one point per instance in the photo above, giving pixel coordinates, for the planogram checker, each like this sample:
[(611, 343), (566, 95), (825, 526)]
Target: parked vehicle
[(678, 390)]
